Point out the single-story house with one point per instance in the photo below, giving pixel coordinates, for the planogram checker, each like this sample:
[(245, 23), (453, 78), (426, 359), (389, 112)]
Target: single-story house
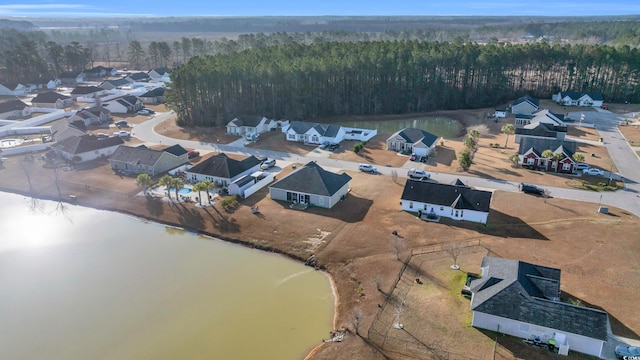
[(92, 116), (543, 116), (252, 124), (67, 127), (87, 147), (54, 100), (142, 160), (14, 109), (138, 77), (87, 91), (114, 84), (523, 300), (100, 71), (311, 185), (125, 105), (525, 105), (531, 149), (222, 170), (158, 73), (541, 131), (71, 77), (13, 89), (53, 84), (154, 96), (569, 98), (315, 133), (457, 201), (413, 140)]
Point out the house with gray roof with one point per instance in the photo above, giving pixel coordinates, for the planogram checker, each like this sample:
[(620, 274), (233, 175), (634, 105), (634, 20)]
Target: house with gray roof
[(316, 133), (14, 109), (530, 152), (524, 300), (127, 104), (53, 100), (158, 73), (138, 77), (67, 127), (413, 140), (13, 89), (250, 125), (543, 116), (311, 185), (458, 201), (571, 98), (142, 160), (541, 131), (153, 96), (86, 147), (71, 77), (525, 105), (87, 92), (222, 170), (92, 116), (114, 84)]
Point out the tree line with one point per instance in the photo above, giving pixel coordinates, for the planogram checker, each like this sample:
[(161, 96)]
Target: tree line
[(391, 77)]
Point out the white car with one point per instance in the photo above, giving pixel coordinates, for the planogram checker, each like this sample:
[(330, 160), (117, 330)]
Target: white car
[(582, 166), (122, 133), (418, 174), (268, 164), (593, 171), (368, 168)]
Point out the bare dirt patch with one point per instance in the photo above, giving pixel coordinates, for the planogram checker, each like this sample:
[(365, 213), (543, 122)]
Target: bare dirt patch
[(276, 140), (631, 133), (374, 152), (215, 135)]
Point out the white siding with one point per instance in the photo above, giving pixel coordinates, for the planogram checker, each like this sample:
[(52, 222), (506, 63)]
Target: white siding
[(445, 211)]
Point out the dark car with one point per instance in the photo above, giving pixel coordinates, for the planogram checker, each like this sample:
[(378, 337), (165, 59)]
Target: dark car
[(325, 145), (627, 352), (333, 146), (122, 123), (193, 154), (531, 189), (413, 157)]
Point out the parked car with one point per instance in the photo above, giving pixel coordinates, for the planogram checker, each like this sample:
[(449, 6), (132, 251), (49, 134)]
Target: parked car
[(143, 112), (368, 168), (333, 146), (593, 171), (627, 352), (102, 135), (531, 189), (149, 110), (262, 158), (325, 145), (413, 157), (418, 174), (122, 133), (121, 123), (268, 164), (193, 154), (582, 166)]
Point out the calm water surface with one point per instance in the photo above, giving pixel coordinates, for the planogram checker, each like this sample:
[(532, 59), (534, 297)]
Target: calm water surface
[(100, 285), (440, 126)]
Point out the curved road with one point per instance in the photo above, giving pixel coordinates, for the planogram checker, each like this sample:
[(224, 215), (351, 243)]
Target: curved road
[(619, 149)]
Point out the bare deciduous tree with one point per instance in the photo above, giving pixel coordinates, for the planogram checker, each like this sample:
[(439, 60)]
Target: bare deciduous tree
[(399, 307), (397, 243), (394, 176), (453, 248)]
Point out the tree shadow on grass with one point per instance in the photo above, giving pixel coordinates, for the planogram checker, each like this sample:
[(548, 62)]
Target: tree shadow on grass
[(154, 205), (222, 222)]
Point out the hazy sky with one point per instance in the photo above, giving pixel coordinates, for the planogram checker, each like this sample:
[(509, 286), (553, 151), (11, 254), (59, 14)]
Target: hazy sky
[(109, 8)]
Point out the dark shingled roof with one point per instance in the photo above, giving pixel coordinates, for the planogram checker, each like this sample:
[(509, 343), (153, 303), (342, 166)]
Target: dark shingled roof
[(540, 145), (12, 105), (541, 130), (139, 76), (247, 120), (455, 196), (82, 144), (49, 97), (136, 155), (84, 90), (413, 136), (160, 70), (529, 293), (222, 166), (528, 99), (159, 91), (117, 82), (312, 179), (577, 95), (176, 150)]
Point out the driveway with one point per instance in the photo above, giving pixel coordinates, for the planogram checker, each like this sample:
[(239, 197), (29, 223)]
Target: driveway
[(606, 122)]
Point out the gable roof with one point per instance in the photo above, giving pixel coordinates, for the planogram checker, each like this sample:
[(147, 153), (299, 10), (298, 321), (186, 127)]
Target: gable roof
[(159, 91), (70, 74), (116, 82), (220, 165), (12, 105), (84, 90), (98, 110), (541, 130), (247, 120), (49, 97), (81, 144), (312, 179), (12, 85), (138, 76), (160, 70), (414, 136), (136, 155), (176, 150), (577, 95), (529, 293), (455, 196), (302, 127), (540, 145), (526, 98)]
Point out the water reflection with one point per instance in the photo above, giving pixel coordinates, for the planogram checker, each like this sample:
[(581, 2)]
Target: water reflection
[(110, 286)]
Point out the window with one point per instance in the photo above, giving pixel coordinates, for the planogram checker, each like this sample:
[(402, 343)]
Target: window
[(531, 161), (441, 208), (566, 166), (410, 204), (291, 136)]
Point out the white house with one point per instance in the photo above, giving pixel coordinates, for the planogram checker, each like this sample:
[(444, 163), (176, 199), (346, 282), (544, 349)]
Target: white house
[(125, 105), (159, 73), (92, 116), (417, 141), (457, 202), (541, 116), (523, 300), (153, 96), (79, 149), (14, 109), (315, 133), (142, 160), (525, 105), (71, 77), (222, 170), (568, 98), (250, 125), (53, 84), (311, 185), (13, 89), (87, 91), (54, 100)]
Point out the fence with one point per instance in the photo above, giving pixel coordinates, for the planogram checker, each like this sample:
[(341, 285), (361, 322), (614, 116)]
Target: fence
[(105, 193), (259, 185)]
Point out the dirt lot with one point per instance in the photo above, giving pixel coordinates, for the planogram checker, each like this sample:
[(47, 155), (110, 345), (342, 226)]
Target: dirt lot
[(354, 242), (209, 134), (631, 133)]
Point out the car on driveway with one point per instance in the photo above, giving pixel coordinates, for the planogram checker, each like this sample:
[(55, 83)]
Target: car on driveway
[(333, 146), (121, 124), (413, 157), (593, 171), (325, 145), (143, 112), (627, 352), (582, 166), (193, 154), (268, 164), (368, 168)]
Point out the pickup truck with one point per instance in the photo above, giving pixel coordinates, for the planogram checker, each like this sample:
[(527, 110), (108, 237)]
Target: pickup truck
[(418, 174)]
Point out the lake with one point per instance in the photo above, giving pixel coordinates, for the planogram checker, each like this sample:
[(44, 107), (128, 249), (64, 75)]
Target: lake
[(91, 284), (440, 126)]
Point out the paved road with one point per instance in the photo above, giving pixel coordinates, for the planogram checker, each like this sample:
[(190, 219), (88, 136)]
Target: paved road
[(625, 159)]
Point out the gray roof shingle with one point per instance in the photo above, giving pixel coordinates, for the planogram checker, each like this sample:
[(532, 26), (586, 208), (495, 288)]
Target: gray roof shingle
[(49, 97), (222, 166), (540, 145), (312, 179), (12, 105), (413, 136), (136, 155), (530, 293), (456, 196), (81, 144)]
